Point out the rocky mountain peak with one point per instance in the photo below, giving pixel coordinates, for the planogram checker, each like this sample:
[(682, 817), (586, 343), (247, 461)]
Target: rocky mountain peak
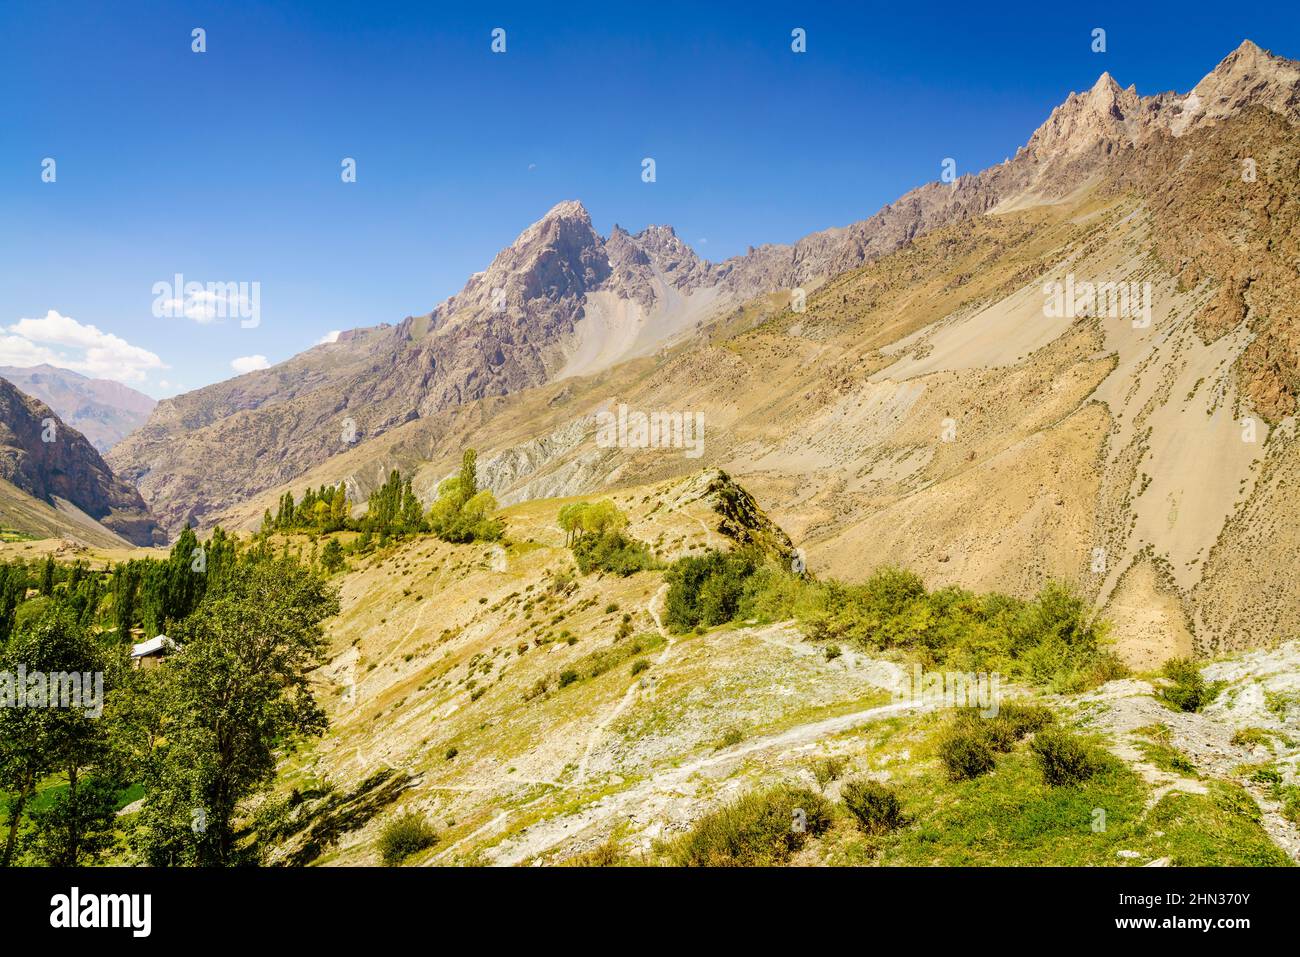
[(1248, 76), (1108, 115), (568, 209)]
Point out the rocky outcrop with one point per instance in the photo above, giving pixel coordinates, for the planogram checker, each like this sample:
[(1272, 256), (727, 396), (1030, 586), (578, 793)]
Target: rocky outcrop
[(102, 410), (48, 460)]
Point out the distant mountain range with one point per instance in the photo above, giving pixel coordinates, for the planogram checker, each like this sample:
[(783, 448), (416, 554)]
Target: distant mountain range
[(102, 410), (54, 464), (1149, 464), (563, 301)]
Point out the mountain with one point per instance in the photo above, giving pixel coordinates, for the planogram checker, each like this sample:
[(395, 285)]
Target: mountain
[(102, 410), (55, 464), (928, 409), (563, 301), (560, 300)]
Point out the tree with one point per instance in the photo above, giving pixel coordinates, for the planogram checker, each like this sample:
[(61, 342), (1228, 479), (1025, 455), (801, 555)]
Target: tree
[(339, 508), (331, 557), (234, 694), (570, 519), (602, 517), (126, 586), (385, 505), (13, 586), (38, 740), (580, 518), (469, 473), (412, 510), (461, 512)]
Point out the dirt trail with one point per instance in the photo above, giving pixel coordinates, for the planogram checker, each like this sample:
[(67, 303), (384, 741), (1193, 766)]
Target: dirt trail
[(654, 798), (659, 792), (630, 695)]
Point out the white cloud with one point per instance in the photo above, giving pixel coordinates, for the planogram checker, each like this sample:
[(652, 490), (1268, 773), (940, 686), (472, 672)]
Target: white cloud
[(249, 364), (331, 336), (63, 342)]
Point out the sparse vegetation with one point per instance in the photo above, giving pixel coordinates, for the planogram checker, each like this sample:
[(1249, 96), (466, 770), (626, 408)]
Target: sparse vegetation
[(876, 807), (1188, 690), (760, 828), (730, 738), (827, 769), (608, 853), (1253, 737), (403, 836), (1064, 759)]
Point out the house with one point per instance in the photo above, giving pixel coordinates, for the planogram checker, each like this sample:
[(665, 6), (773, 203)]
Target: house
[(149, 653)]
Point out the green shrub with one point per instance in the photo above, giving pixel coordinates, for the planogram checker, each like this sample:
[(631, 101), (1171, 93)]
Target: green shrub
[(969, 745), (966, 751), (567, 677), (875, 806), (1052, 640), (730, 737), (1011, 724), (707, 589), (612, 552), (1189, 691), (1025, 719), (1266, 775), (761, 828), (403, 836), (639, 666), (1063, 758), (827, 769)]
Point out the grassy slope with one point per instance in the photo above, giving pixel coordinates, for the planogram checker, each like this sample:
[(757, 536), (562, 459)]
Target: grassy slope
[(431, 635), (33, 518)]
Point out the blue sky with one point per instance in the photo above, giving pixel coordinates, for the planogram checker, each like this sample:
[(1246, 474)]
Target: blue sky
[(224, 166)]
